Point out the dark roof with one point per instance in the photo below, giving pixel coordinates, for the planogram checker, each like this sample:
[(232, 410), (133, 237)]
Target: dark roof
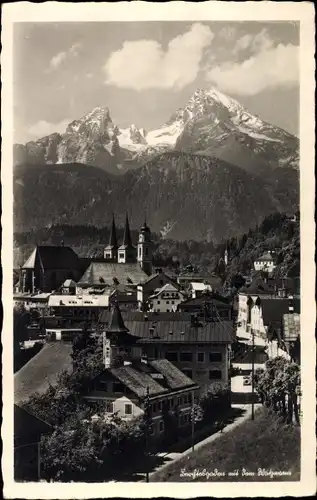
[(28, 427), (265, 257), (104, 273), (42, 370), (209, 298), (127, 240), (155, 275), (174, 377), (137, 381), (113, 242), (53, 257), (274, 309), (258, 287), (116, 323)]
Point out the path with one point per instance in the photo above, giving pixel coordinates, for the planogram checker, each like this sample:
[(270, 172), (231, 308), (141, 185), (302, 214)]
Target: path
[(174, 457)]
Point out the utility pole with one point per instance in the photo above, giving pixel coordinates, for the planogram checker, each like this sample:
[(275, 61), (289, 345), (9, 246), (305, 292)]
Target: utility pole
[(252, 379), (147, 422), (193, 422), (39, 461)]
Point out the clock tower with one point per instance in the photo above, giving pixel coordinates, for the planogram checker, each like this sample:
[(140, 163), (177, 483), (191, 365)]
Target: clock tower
[(145, 249)]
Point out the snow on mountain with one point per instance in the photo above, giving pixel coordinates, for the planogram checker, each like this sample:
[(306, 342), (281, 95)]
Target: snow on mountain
[(211, 123)]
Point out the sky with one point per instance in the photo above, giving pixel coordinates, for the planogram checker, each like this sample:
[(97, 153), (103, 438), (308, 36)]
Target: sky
[(144, 71)]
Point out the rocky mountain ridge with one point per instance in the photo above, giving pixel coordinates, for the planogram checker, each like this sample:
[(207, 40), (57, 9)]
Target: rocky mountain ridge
[(210, 124)]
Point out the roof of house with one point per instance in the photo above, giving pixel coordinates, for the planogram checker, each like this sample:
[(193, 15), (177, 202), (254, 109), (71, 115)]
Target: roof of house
[(42, 370), (273, 310), (69, 283), (116, 323), (218, 300), (166, 288), (198, 286), (104, 273), (160, 273), (53, 257), (137, 381), (28, 427), (268, 257), (258, 287), (78, 301), (174, 377), (291, 326)]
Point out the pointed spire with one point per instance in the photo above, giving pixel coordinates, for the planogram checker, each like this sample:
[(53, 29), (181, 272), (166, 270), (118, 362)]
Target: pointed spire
[(127, 241), (113, 242), (116, 323)]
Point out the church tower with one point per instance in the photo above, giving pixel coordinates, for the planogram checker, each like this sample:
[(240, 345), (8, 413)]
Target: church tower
[(145, 249), (111, 250), (126, 250)]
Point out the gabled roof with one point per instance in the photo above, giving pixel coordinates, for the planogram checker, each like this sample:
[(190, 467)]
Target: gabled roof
[(218, 300), (137, 381), (166, 288), (28, 427), (69, 283), (175, 378), (265, 257), (113, 242), (127, 240), (53, 257), (273, 310), (104, 273), (155, 275)]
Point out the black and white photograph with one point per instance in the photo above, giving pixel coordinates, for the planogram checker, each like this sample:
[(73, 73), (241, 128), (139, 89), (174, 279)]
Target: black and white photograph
[(158, 300)]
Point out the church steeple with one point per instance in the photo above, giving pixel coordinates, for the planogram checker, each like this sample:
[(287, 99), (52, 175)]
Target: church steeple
[(145, 248), (127, 241), (127, 252), (111, 250), (113, 235), (116, 323)]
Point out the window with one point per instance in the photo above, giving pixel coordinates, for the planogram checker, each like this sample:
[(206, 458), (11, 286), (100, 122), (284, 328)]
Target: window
[(158, 301), (167, 302), (167, 310), (121, 255), (171, 403), (215, 375), (154, 408), (186, 356), (172, 356), (160, 405), (188, 373), (173, 302), (161, 426), (151, 430), (128, 409), (201, 357), (140, 251), (215, 356)]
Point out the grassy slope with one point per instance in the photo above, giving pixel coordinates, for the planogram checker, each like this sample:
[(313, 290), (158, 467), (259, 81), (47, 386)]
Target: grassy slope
[(263, 443)]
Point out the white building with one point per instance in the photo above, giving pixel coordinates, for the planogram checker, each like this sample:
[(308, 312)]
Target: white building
[(165, 299), (266, 262), (197, 289)]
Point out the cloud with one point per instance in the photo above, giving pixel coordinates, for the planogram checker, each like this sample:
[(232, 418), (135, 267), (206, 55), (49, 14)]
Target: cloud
[(143, 64), (254, 43), (61, 57), (43, 128), (270, 67)]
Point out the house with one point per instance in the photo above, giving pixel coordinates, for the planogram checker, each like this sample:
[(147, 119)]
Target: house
[(28, 430), (196, 289), (153, 283), (184, 280), (32, 301), (208, 305), (266, 262), (291, 334), (126, 296), (78, 306), (48, 267), (129, 383), (68, 287), (165, 299), (199, 348)]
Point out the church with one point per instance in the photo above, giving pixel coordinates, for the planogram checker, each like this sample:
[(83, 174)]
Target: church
[(126, 265), (123, 264)]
